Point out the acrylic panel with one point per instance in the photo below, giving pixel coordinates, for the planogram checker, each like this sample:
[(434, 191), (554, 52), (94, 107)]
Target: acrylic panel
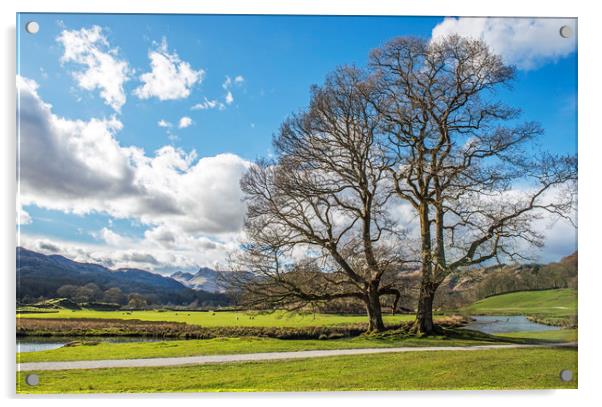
[(295, 203)]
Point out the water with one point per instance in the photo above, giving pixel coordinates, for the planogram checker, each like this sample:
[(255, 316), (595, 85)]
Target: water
[(493, 324), (37, 343)]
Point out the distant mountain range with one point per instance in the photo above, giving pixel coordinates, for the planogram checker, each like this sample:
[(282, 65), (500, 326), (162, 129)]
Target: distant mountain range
[(205, 279), (40, 275)]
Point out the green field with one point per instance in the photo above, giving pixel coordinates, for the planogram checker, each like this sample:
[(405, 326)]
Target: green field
[(227, 346), (561, 335), (222, 319), (223, 346), (560, 303), (489, 369)]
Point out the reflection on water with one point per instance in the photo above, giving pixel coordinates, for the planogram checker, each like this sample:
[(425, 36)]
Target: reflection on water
[(37, 343), (492, 324)]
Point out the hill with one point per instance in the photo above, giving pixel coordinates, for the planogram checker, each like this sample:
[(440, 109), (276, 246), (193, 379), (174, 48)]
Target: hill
[(40, 276), (549, 304), (470, 285)]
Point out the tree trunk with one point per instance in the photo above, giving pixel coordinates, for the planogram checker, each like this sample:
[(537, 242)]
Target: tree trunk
[(424, 316), (373, 308)]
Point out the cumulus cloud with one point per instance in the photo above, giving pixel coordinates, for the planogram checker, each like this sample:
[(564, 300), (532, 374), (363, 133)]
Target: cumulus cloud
[(559, 234), (103, 68), (78, 166), (161, 249), (170, 78), (163, 123), (525, 42), (184, 122)]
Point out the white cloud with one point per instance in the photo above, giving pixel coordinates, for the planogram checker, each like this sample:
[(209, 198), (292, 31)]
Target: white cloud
[(163, 123), (227, 85), (208, 104), (525, 42), (23, 218), (170, 77), (103, 69), (184, 122), (78, 166), (559, 235), (110, 237), (160, 250)]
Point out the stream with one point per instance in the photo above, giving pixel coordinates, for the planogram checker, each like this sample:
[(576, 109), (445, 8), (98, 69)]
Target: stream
[(39, 343), (493, 324)]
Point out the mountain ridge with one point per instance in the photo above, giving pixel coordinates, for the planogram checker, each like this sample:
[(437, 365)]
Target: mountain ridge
[(40, 275)]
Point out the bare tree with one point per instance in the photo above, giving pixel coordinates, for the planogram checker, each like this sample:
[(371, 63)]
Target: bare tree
[(317, 224), (459, 159)]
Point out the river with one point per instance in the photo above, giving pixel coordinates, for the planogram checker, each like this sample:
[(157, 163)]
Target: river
[(494, 324), (490, 324), (39, 343)]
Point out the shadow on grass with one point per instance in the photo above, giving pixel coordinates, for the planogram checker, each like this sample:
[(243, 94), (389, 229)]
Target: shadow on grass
[(457, 335), (468, 334)]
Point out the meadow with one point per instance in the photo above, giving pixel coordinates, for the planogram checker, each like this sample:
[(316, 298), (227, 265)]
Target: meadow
[(489, 369), (221, 318), (548, 306), (221, 346)]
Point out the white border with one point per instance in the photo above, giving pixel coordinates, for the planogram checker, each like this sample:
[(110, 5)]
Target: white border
[(589, 186)]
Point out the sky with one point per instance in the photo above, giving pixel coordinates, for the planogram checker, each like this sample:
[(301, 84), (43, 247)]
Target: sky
[(135, 129)]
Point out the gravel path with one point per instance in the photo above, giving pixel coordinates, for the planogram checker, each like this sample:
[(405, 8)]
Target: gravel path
[(202, 360)]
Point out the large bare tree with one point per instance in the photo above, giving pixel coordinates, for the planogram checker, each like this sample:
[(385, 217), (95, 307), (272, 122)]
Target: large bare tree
[(460, 159), (317, 224)]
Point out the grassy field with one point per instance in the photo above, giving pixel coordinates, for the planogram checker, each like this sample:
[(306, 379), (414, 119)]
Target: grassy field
[(490, 369), (227, 346), (562, 335), (222, 346), (220, 319), (560, 303)]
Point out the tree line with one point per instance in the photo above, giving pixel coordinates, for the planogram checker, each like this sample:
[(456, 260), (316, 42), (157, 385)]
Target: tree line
[(411, 163), (90, 293)]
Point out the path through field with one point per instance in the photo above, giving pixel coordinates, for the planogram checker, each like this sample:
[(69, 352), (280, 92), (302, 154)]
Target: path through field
[(202, 360)]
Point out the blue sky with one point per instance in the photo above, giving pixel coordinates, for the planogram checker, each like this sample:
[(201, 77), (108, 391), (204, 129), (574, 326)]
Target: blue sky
[(271, 62)]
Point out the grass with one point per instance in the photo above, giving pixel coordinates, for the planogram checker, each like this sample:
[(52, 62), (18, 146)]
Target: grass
[(550, 304), (221, 319), (487, 369), (554, 304), (490, 369), (219, 346), (222, 346), (562, 335)]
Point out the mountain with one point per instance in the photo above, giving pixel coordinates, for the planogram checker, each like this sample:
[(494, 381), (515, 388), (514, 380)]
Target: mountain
[(40, 275), (205, 279)]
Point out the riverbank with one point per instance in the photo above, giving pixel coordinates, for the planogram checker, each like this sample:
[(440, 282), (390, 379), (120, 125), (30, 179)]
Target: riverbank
[(557, 307), (83, 327)]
